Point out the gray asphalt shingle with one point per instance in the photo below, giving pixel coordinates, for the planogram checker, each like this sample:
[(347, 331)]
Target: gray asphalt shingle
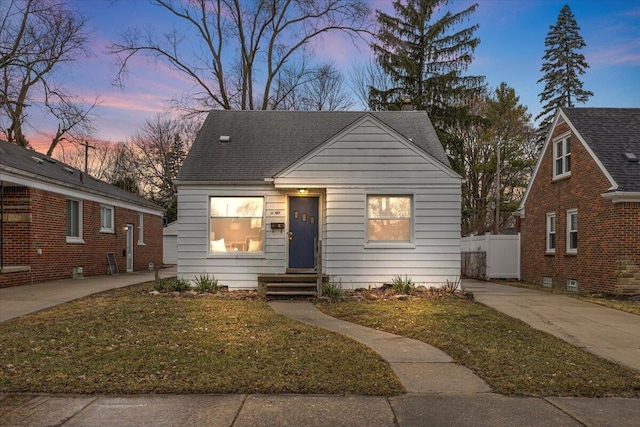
[(611, 132), (263, 143), (16, 157)]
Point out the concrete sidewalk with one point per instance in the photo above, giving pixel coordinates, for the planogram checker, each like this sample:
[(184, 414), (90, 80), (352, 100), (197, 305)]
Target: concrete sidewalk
[(20, 300), (606, 332), (479, 409)]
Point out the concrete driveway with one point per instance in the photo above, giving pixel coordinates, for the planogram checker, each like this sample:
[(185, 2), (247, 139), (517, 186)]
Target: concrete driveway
[(606, 332), (19, 300)]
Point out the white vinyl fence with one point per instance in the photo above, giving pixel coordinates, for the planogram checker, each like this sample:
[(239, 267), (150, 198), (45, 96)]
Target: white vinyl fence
[(492, 256)]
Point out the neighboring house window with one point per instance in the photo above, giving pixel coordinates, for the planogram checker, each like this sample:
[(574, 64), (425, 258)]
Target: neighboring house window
[(74, 221), (389, 218), (562, 157), (140, 228), (551, 232), (236, 224), (572, 231), (106, 219)]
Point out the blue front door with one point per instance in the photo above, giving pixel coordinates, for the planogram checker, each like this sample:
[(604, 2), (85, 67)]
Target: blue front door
[(303, 230)]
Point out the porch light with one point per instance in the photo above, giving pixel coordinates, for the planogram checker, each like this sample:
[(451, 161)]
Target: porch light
[(302, 190)]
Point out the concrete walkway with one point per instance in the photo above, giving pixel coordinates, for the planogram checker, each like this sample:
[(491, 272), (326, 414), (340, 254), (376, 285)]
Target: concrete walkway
[(19, 300), (606, 332), (420, 367)]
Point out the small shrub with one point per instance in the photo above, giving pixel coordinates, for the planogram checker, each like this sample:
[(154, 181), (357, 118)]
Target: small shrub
[(206, 284), (400, 285), (179, 285), (332, 290), (161, 285)]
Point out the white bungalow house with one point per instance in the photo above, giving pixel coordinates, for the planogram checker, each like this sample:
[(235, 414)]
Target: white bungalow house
[(259, 187)]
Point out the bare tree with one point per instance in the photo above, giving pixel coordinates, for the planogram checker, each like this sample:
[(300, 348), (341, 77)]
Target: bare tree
[(243, 46), (326, 91), (99, 160), (38, 38), (155, 155), (367, 76)]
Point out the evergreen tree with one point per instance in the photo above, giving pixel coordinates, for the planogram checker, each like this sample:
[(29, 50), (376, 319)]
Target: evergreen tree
[(562, 64), (425, 54)]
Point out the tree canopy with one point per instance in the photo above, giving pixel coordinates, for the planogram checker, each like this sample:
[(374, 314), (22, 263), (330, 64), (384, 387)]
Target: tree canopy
[(562, 66)]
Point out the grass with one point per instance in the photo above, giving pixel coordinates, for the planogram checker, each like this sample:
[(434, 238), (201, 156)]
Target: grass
[(628, 306), (127, 341), (513, 358)]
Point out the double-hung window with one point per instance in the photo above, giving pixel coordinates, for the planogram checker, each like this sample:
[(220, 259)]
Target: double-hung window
[(551, 232), (106, 219), (572, 231), (236, 224), (389, 218), (562, 157), (140, 228), (74, 221)]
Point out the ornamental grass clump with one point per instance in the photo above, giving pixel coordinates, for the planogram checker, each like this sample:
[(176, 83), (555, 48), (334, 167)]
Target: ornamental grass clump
[(332, 290), (403, 286), (206, 284)]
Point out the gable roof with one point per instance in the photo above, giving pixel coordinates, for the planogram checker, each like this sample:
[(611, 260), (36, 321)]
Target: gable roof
[(263, 143), (610, 133), (607, 134), (19, 161)]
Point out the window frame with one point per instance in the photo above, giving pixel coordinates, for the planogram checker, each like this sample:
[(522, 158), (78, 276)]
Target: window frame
[(140, 228), (70, 238), (570, 248), (238, 254), (551, 216), (564, 158), (111, 210), (391, 243)]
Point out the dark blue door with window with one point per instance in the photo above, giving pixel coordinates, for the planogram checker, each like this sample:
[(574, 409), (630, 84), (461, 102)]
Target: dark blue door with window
[(303, 230)]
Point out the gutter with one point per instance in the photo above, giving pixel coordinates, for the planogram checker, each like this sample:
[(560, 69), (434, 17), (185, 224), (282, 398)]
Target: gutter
[(622, 196)]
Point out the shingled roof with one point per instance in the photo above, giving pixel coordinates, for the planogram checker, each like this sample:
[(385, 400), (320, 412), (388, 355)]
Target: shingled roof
[(610, 133), (16, 160), (263, 143)]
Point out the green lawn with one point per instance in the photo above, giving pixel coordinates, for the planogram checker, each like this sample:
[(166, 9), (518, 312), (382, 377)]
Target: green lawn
[(126, 341), (513, 358)]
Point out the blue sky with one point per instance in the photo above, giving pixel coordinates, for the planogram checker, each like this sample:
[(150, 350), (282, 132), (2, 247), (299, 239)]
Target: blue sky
[(512, 34)]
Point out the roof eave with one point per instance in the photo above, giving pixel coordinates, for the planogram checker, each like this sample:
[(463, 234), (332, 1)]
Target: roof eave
[(622, 196)]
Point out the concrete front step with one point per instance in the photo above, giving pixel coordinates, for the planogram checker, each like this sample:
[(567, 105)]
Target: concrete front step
[(301, 284), (291, 293)]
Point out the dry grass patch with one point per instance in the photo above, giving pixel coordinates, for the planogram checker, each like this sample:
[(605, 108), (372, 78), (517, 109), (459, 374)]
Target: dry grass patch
[(126, 341), (513, 358)]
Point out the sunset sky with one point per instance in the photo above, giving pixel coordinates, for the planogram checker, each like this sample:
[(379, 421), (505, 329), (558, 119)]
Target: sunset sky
[(512, 34)]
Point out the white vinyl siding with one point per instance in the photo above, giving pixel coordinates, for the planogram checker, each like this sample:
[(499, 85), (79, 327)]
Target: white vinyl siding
[(365, 159), (239, 269)]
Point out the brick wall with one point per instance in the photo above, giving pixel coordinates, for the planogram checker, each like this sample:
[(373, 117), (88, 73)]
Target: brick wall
[(595, 263), (627, 248), (41, 242)]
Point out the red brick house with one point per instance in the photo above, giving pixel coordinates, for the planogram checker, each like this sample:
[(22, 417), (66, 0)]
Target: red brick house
[(58, 222), (580, 215)]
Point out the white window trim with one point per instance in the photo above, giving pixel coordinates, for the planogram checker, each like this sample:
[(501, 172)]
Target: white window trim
[(562, 139), (112, 214), (377, 244), (570, 212), (549, 249), (78, 238), (255, 254), (141, 229)]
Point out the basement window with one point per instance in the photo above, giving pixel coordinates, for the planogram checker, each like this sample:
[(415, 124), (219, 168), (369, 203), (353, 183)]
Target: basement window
[(572, 285), (547, 282)]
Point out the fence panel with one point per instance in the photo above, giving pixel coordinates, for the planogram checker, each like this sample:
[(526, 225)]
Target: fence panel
[(502, 254)]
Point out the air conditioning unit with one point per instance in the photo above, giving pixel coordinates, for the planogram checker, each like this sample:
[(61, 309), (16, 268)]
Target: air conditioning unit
[(78, 272)]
